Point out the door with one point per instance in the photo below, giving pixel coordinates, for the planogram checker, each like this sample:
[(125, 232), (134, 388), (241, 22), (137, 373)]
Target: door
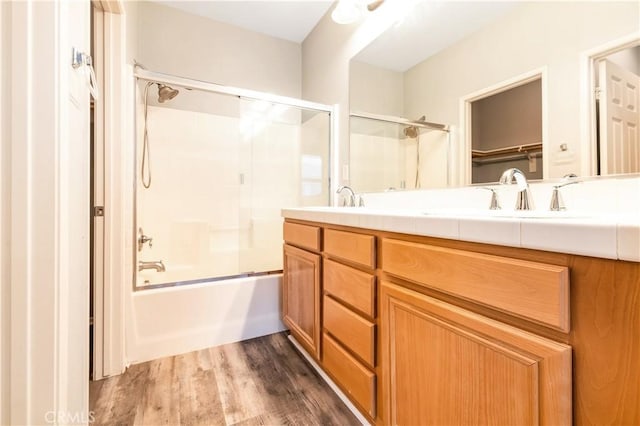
[(301, 297), (619, 119), (444, 365)]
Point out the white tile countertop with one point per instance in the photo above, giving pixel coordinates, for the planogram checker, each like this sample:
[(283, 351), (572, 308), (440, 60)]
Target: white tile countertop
[(612, 233)]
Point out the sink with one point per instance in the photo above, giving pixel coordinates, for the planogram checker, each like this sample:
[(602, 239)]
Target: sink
[(517, 214)]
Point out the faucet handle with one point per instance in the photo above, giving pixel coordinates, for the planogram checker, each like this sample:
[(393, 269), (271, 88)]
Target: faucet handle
[(557, 204), (494, 204), (142, 239), (566, 182)]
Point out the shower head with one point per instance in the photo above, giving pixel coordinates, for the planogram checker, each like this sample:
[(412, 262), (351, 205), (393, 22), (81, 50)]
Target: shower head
[(412, 131), (166, 93)]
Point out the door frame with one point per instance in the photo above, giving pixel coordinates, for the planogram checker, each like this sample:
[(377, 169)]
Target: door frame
[(110, 188), (45, 377), (588, 119), (464, 157)]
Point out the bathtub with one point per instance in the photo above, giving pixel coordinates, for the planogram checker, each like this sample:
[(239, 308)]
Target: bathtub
[(173, 320)]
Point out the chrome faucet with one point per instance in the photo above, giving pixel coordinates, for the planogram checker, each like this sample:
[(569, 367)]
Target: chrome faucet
[(348, 202), (557, 204), (524, 200), (142, 239), (153, 264)]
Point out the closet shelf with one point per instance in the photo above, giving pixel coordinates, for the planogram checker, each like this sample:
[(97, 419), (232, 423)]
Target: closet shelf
[(516, 149), (511, 157)]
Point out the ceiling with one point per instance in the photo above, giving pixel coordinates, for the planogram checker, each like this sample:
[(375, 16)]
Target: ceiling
[(291, 20)]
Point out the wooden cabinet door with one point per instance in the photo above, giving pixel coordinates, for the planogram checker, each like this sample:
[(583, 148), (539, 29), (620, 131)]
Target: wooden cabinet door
[(301, 297), (443, 365)]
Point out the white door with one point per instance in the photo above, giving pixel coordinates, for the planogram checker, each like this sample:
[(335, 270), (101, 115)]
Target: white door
[(619, 119)]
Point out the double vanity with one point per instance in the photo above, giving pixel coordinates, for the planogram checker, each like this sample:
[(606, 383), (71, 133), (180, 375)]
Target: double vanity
[(432, 315)]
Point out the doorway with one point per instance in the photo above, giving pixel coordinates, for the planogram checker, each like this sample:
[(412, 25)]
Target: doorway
[(617, 113), (506, 132), (505, 129)]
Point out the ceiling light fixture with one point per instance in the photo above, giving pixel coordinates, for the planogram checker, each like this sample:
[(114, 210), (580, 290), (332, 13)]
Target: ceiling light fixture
[(350, 11)]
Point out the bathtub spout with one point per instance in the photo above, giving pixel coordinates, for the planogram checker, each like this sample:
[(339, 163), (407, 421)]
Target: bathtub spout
[(154, 264)]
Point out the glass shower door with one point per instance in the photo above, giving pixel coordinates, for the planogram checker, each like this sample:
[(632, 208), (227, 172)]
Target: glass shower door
[(285, 162), (222, 169)]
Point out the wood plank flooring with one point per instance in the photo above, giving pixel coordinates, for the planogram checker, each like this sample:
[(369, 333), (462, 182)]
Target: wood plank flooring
[(262, 381)]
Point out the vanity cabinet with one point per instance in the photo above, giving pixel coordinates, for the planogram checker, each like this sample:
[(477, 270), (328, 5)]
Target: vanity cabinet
[(301, 285), (422, 330)]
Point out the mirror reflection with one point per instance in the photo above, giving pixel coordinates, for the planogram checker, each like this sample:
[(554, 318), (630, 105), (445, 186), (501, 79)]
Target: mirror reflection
[(456, 63), (390, 153)]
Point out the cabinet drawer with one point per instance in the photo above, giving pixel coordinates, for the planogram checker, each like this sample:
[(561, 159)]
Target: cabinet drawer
[(355, 332), (302, 235), (355, 379), (532, 290), (353, 287), (356, 248)]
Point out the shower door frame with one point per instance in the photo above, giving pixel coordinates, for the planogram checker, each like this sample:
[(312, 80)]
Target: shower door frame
[(243, 94)]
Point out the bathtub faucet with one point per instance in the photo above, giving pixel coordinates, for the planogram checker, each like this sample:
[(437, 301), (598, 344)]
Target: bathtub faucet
[(153, 264)]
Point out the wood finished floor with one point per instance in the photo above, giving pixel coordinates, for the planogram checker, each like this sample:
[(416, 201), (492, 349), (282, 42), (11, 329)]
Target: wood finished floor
[(262, 381)]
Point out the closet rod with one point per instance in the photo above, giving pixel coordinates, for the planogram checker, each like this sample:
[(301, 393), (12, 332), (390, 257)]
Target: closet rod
[(489, 160), (515, 149)]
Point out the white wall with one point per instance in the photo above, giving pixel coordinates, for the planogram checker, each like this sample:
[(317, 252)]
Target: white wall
[(376, 90), (175, 42), (435, 86), (131, 9), (5, 240), (628, 59)]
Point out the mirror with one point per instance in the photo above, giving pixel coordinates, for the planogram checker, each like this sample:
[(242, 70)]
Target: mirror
[(445, 56)]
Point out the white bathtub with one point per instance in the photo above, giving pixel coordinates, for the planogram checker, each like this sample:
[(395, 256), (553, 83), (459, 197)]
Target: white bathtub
[(174, 320)]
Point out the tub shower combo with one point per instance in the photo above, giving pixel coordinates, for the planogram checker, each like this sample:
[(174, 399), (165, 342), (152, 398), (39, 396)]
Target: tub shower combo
[(214, 166)]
